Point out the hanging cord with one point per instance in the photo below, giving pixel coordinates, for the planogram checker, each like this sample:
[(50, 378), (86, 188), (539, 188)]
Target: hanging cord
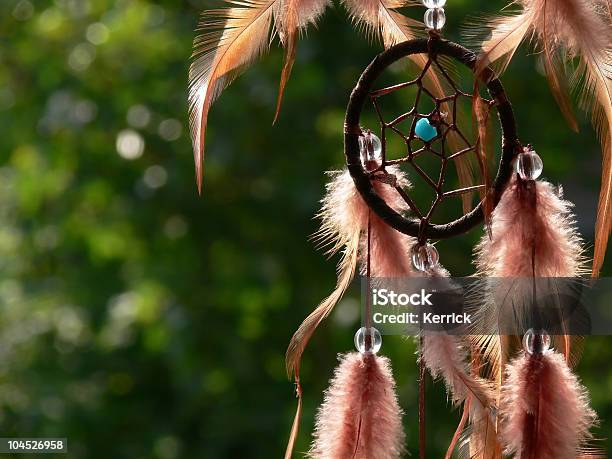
[(368, 306), (422, 405)]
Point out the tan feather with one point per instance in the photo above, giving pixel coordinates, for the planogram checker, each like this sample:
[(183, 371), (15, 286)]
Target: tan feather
[(559, 89), (566, 29), (229, 39), (480, 110), (599, 84), (379, 18), (346, 270), (508, 32), (286, 72), (295, 427), (295, 15)]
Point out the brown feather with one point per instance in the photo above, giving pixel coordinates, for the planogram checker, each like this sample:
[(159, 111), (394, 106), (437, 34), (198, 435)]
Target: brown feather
[(599, 83), (379, 18), (286, 72), (559, 88), (480, 109), (568, 29), (229, 39), (508, 32), (295, 15), (346, 270), (295, 427)]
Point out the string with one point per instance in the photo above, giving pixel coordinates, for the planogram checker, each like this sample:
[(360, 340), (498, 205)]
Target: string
[(368, 306)]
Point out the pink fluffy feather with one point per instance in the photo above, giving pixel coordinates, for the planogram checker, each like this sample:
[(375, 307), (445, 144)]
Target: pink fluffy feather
[(389, 249), (360, 417), (524, 220), (545, 410), (446, 356)]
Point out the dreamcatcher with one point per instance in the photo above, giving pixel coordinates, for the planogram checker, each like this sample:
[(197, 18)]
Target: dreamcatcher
[(518, 393)]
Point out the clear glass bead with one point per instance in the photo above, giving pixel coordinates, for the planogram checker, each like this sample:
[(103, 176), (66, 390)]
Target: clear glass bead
[(536, 341), (434, 3), (368, 340), (529, 165), (424, 257), (371, 150), (435, 18)]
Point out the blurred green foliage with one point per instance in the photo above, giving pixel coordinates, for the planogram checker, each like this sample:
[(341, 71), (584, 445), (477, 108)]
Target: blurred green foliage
[(141, 321)]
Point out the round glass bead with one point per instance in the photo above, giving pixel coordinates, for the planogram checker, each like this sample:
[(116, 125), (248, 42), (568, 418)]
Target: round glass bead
[(536, 341), (371, 150), (434, 3), (435, 18), (424, 257), (529, 165), (424, 130), (368, 340)]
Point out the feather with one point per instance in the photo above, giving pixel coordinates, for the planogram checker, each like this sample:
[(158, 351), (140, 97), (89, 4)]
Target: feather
[(554, 69), (378, 17), (508, 32), (346, 270), (460, 428), (599, 82), (533, 235), (445, 357), (229, 39), (545, 411), (296, 15), (344, 218), (360, 417), (531, 214), (480, 110), (566, 29)]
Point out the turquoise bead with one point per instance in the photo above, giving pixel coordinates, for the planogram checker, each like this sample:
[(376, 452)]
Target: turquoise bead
[(424, 130)]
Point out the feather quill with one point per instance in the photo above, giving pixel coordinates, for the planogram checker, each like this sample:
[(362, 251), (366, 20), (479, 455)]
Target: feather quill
[(229, 39), (545, 410), (566, 29), (360, 417)]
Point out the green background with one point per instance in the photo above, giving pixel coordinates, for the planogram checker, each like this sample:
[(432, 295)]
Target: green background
[(141, 321)]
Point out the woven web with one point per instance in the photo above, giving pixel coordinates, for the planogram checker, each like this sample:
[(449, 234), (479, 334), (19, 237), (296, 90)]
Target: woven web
[(452, 146)]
